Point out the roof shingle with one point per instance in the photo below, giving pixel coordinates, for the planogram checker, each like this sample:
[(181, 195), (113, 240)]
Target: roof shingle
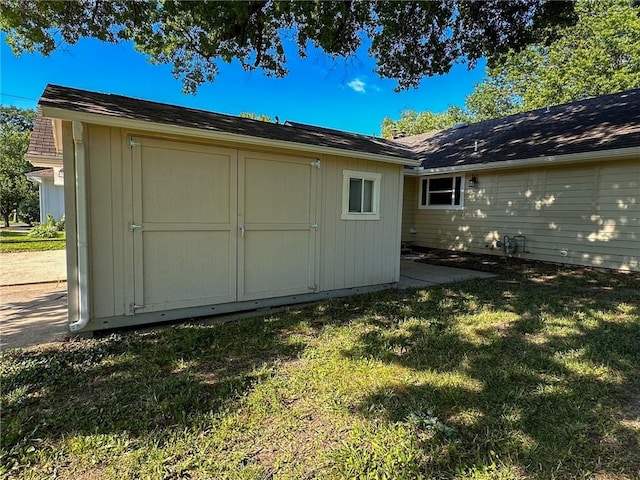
[(601, 123), (135, 109)]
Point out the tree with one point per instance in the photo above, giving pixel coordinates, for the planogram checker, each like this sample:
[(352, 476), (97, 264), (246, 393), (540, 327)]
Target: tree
[(409, 40), (256, 116), (414, 123), (597, 56), (15, 131)]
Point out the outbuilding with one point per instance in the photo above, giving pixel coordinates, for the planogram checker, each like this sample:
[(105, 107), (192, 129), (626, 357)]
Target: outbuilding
[(175, 213)]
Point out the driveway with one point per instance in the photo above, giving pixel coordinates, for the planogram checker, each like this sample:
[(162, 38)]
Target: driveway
[(33, 290)]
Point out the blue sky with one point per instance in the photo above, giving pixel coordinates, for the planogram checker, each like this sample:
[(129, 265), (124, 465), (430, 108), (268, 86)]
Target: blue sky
[(339, 94)]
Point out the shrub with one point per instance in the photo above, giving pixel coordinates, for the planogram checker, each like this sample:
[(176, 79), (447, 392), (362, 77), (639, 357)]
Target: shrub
[(47, 230)]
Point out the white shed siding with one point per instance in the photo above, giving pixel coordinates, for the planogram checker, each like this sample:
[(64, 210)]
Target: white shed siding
[(591, 211)]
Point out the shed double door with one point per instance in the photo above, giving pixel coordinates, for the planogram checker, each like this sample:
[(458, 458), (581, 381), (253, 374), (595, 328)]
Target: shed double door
[(215, 225)]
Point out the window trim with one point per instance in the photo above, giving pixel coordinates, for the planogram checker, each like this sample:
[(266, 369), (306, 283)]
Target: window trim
[(347, 175), (422, 179)]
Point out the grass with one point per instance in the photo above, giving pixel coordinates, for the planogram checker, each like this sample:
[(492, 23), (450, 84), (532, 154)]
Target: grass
[(13, 241), (532, 374)]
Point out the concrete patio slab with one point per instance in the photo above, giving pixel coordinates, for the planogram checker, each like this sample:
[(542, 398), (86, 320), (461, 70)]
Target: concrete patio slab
[(421, 275), (24, 268)]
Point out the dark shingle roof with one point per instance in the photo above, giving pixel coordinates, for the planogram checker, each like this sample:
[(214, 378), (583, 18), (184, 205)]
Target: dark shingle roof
[(601, 123), (118, 106), (42, 142)]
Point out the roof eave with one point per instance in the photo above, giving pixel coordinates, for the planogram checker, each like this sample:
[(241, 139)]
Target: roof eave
[(582, 157), (71, 115), (38, 160)]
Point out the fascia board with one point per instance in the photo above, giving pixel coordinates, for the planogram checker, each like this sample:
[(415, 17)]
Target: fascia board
[(98, 119), (44, 160)]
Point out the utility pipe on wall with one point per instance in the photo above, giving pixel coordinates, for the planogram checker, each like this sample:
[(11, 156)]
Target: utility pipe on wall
[(81, 228)]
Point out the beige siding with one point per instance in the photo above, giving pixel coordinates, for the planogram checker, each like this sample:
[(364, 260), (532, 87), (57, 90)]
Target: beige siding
[(69, 165), (591, 211), (358, 252), (349, 253), (410, 202)]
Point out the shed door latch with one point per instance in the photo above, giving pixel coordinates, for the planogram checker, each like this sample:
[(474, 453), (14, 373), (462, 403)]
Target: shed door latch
[(133, 307), (133, 227)]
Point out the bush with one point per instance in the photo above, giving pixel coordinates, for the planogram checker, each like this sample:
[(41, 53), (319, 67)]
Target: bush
[(49, 229), (29, 210)]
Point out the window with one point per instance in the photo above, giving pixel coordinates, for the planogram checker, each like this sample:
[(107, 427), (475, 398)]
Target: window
[(360, 195), (442, 192)]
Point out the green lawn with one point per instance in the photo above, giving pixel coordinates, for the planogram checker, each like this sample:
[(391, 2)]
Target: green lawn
[(533, 374), (12, 241)]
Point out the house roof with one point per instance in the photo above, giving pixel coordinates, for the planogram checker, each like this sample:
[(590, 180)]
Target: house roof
[(56, 98), (45, 172), (42, 143), (602, 123)]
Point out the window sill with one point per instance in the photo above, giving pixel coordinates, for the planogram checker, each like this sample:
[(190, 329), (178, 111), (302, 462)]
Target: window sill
[(360, 216)]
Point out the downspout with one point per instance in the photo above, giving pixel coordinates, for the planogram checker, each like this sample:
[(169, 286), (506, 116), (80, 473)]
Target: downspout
[(81, 229)]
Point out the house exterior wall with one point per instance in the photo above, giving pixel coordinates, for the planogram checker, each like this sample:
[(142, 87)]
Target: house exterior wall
[(350, 253), (51, 199), (590, 211)]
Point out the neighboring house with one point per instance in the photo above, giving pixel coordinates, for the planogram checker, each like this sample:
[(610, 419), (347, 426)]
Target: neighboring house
[(45, 150), (559, 184), (175, 213)]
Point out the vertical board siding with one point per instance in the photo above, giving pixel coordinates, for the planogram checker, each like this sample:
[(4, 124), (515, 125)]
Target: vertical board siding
[(358, 252), (591, 212), (99, 168), (69, 165)]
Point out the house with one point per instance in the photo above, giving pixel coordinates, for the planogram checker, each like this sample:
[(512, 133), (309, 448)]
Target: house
[(558, 184), (45, 150), (174, 213)]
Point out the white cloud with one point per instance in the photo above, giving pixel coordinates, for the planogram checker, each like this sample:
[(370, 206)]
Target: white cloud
[(357, 85)]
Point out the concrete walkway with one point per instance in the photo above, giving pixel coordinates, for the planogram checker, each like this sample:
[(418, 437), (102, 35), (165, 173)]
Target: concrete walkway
[(25, 268)]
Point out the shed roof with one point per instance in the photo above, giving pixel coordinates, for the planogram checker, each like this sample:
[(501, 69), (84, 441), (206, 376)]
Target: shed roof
[(596, 124), (120, 107)]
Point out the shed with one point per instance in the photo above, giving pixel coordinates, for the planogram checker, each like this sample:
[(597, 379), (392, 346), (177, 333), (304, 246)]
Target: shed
[(558, 184), (174, 212)]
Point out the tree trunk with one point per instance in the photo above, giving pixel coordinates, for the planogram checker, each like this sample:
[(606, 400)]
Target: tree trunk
[(6, 219)]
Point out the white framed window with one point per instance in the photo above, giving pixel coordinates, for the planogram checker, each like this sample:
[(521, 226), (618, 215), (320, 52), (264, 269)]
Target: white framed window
[(360, 195), (443, 191)]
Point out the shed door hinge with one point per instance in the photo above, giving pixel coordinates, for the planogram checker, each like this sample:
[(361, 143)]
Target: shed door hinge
[(314, 226), (315, 163), (133, 143), (313, 288), (133, 227)]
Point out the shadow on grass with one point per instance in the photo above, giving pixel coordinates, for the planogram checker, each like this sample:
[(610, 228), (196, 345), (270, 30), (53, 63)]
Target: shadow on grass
[(138, 383), (539, 388)]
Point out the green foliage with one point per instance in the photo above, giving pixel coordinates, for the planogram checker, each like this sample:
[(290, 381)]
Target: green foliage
[(29, 211), (15, 132), (256, 116), (414, 123), (597, 56), (11, 242), (409, 40), (49, 229)]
